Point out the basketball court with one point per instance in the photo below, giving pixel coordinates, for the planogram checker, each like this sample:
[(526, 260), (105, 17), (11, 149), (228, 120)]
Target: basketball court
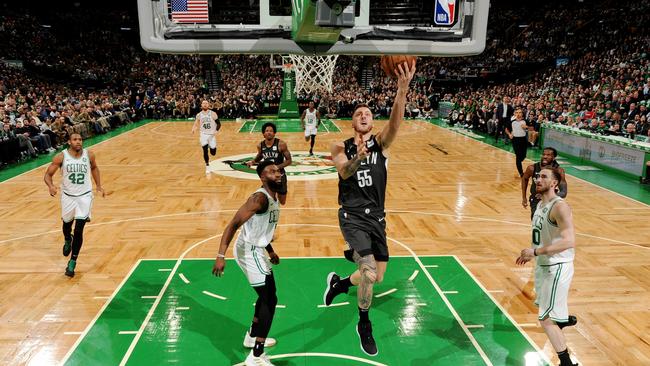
[(163, 217), (144, 293)]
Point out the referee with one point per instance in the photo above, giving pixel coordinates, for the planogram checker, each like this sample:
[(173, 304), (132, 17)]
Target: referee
[(517, 133)]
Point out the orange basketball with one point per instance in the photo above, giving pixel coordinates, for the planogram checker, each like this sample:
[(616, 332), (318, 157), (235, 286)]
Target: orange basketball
[(389, 63)]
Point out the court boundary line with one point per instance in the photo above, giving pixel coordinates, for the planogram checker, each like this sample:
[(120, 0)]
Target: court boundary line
[(444, 298), (510, 318), (161, 293), (84, 333)]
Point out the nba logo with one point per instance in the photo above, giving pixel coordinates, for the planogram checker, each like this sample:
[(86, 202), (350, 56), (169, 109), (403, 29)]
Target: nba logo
[(445, 13)]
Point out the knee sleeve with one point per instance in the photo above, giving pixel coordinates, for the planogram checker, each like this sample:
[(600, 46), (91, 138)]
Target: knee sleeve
[(213, 152)]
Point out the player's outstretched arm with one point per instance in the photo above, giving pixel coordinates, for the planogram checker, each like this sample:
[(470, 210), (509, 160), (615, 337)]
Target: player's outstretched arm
[(57, 161), (405, 73), (94, 170), (256, 203)]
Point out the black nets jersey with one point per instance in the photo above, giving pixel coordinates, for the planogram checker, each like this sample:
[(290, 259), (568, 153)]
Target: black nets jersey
[(366, 188), (272, 153)]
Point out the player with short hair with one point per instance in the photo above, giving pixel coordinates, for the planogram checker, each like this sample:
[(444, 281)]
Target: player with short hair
[(553, 245), (258, 218), (77, 165), (207, 121), (310, 120), (277, 151), (361, 162)]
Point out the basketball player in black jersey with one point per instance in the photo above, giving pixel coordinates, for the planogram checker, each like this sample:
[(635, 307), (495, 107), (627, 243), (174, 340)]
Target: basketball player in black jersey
[(548, 159), (361, 163), (277, 151)]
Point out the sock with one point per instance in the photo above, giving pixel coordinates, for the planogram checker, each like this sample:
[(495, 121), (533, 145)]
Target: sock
[(258, 349), (565, 360), (345, 284), (67, 230), (363, 316)]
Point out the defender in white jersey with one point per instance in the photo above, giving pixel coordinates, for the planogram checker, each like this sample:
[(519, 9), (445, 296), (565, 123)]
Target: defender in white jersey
[(258, 218), (554, 248), (207, 121), (77, 165), (310, 120)]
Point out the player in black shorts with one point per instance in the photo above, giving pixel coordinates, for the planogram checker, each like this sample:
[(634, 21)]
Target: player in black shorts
[(277, 151), (361, 164)]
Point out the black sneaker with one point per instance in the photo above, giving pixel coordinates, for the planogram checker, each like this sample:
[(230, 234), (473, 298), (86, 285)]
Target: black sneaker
[(69, 269), (571, 322), (67, 246), (331, 288), (368, 345)]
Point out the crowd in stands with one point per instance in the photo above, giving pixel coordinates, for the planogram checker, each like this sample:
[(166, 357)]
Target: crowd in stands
[(605, 90), (86, 76)]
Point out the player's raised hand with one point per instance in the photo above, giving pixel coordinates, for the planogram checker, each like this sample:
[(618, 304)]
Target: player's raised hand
[(405, 73), (219, 267)]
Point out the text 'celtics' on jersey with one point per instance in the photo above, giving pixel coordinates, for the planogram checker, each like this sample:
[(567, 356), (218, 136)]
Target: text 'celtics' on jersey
[(75, 174)]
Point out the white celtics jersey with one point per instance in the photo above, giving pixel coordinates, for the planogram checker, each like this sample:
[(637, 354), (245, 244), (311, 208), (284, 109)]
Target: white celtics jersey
[(545, 233), (259, 229), (310, 118), (208, 124), (75, 174)]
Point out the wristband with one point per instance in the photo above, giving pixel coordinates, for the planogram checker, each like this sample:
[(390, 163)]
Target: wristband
[(221, 255), (535, 252)]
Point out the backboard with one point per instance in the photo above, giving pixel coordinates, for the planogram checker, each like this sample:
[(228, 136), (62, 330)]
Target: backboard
[(314, 27)]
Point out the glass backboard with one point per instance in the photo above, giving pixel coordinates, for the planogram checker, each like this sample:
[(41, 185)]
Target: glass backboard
[(314, 27)]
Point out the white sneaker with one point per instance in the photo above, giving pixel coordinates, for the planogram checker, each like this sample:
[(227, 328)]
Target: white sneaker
[(207, 170), (263, 360), (249, 342)]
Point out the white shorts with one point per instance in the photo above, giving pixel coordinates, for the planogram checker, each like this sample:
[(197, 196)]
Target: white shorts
[(254, 262), (206, 139), (76, 207), (552, 285), (310, 130)]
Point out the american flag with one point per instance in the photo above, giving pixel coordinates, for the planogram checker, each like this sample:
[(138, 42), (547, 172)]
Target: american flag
[(190, 11)]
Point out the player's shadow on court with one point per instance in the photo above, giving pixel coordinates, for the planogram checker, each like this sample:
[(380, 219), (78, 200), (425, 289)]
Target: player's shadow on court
[(330, 323), (225, 333), (435, 327)]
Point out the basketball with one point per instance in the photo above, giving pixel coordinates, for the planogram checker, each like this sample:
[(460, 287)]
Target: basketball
[(389, 63)]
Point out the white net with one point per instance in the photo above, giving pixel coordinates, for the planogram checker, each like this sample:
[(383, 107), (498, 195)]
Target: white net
[(313, 73)]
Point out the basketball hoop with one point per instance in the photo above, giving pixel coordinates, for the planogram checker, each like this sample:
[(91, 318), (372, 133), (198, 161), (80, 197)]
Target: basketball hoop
[(313, 73)]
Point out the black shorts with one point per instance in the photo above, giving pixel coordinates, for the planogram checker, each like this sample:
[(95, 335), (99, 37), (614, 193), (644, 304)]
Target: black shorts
[(283, 189), (365, 233)]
